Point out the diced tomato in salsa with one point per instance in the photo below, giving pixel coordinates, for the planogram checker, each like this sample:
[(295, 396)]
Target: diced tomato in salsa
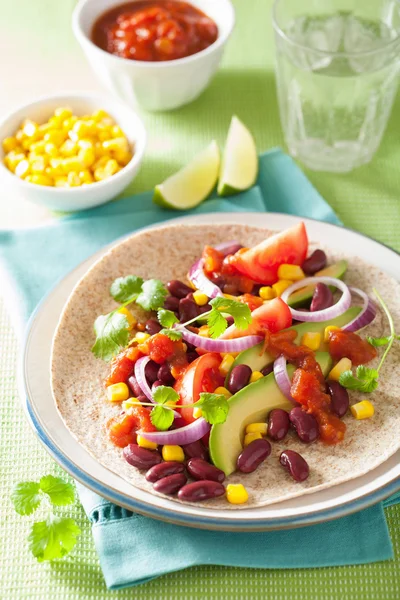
[(122, 429), (159, 347), (123, 365), (252, 302), (219, 269), (347, 344)]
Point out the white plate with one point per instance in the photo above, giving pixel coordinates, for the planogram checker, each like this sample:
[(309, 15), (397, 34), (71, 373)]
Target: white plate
[(34, 384)]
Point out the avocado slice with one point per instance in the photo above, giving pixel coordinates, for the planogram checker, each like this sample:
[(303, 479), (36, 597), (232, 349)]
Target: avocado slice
[(252, 404), (256, 359), (304, 295)]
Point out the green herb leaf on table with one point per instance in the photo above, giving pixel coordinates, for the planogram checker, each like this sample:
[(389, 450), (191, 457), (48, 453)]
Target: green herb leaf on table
[(111, 335), (164, 393), (161, 417), (59, 491), (152, 295), (214, 407), (53, 538), (26, 497), (238, 310), (364, 381), (377, 342), (174, 334), (167, 318), (126, 289)]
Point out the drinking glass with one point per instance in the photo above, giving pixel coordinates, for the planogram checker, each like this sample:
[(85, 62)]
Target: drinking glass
[(337, 66)]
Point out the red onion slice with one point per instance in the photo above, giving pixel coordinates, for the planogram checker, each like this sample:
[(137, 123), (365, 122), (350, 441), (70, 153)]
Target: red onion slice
[(367, 314), (185, 435), (282, 378), (320, 315), (140, 375), (197, 276), (235, 345), (228, 247)]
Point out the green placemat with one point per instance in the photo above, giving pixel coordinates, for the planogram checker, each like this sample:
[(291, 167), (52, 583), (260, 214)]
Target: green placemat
[(367, 200)]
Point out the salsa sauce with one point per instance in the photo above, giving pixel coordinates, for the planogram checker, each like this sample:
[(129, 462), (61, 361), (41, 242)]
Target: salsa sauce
[(154, 30)]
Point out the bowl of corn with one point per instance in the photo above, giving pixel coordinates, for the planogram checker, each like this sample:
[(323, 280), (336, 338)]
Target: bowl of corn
[(72, 152)]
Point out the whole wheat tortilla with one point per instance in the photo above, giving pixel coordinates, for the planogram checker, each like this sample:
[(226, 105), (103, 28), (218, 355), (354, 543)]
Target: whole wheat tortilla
[(167, 253)]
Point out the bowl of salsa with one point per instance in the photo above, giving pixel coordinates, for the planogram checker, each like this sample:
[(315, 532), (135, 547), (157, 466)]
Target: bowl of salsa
[(159, 54)]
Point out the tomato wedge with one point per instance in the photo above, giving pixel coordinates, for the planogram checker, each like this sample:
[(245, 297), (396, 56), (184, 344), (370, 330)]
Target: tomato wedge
[(261, 262), (272, 316), (202, 375)]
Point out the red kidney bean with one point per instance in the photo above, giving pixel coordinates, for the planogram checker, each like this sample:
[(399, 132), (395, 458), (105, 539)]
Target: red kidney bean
[(171, 303), (253, 455), (151, 372), (164, 469), (188, 310), (178, 288), (165, 376), (239, 378), (142, 398), (191, 356), (315, 262), (141, 458), (195, 450), (152, 326), (155, 385), (201, 490), (295, 464), (267, 370), (339, 398), (218, 280), (322, 298), (278, 424), (201, 469), (229, 320), (305, 424), (135, 387), (171, 484), (205, 308)]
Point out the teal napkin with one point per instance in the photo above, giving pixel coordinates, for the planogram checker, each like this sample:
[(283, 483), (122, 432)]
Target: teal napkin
[(134, 549)]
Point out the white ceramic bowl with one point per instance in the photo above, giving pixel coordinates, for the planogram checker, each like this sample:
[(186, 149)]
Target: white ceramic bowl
[(94, 194), (154, 85)]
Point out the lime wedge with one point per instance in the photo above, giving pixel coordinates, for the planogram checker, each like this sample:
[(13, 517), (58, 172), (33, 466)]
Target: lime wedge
[(192, 184), (240, 162)]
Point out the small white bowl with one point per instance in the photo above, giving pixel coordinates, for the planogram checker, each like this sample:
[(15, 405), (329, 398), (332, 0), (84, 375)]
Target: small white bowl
[(154, 86), (87, 196)]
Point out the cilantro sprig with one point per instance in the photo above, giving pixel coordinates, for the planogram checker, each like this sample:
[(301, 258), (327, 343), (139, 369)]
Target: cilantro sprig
[(214, 407), (112, 329), (366, 379), (55, 536)]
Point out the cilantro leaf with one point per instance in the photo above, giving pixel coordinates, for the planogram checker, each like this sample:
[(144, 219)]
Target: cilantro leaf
[(214, 407), (153, 295), (376, 342), (60, 492), (216, 323), (366, 373), (111, 335), (366, 380), (166, 317), (174, 334), (164, 393), (238, 310), (161, 417), (53, 538), (126, 289), (348, 380), (26, 497)]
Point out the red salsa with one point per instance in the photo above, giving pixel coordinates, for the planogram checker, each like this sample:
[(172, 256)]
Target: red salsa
[(154, 30)]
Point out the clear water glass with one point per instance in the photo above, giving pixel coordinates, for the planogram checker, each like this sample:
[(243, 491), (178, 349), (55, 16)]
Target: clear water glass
[(337, 69)]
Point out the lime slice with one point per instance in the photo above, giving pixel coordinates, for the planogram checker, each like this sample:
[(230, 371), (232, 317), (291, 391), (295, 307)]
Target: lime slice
[(192, 184), (240, 162)]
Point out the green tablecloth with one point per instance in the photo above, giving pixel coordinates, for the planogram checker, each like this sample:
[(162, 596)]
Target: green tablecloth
[(367, 200)]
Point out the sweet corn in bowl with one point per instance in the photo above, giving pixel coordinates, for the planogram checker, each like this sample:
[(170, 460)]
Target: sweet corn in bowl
[(72, 152)]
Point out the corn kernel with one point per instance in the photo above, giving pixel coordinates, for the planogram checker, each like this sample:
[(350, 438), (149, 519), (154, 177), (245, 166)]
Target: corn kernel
[(250, 437), (99, 151), (197, 412), (73, 179), (174, 453), (117, 392), (291, 272), (280, 286), (123, 158), (69, 123), (255, 376), (43, 129), (311, 339), (10, 143), (103, 135), (141, 337), (63, 113), (100, 162), (226, 364), (111, 167), (116, 131), (343, 365), (222, 390), (204, 331), (85, 144), (362, 410), (234, 354), (130, 403), (22, 169), (85, 176), (257, 428), (230, 297), (119, 143), (55, 122), (200, 298), (87, 156), (236, 493), (68, 148), (100, 114), (39, 164), (79, 130), (51, 149), (38, 147), (39, 179), (56, 165), (267, 293), (30, 128), (99, 174), (55, 137), (72, 163), (143, 443), (132, 321), (328, 330), (13, 159), (60, 182)]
